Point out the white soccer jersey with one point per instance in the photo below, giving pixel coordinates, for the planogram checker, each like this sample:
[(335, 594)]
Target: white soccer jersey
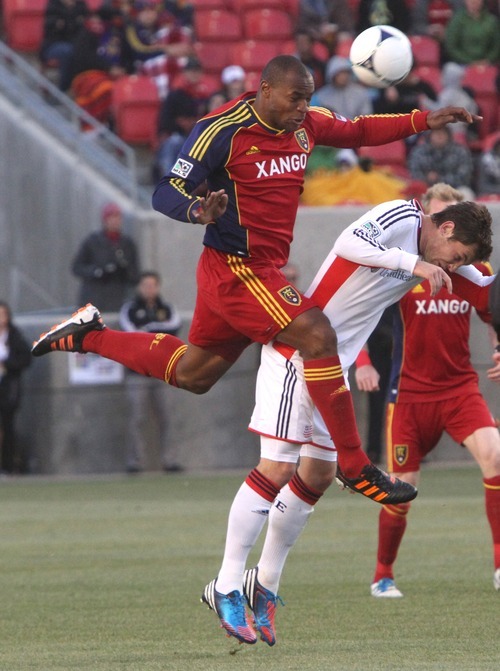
[(369, 268)]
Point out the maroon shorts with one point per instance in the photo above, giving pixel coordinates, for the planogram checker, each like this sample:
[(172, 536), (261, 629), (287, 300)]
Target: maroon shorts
[(414, 429), (240, 301)]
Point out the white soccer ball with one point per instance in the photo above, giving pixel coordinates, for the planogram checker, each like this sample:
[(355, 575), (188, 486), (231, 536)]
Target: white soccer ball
[(381, 56)]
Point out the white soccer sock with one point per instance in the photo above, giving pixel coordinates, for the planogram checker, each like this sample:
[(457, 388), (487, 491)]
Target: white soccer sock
[(248, 514), (287, 518)]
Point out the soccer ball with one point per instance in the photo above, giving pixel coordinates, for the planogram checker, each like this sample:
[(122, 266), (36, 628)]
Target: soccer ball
[(381, 56)]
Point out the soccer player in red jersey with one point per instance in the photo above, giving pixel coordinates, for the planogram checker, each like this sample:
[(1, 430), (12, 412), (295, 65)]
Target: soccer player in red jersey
[(433, 389), (252, 153)]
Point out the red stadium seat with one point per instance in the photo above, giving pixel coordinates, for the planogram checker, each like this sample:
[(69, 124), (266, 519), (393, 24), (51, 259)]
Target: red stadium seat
[(425, 50), (431, 75), (267, 24), (253, 55), (392, 155), (214, 56), (245, 5), (23, 24), (344, 47), (253, 80), (481, 80), (135, 107), (213, 4), (217, 26)]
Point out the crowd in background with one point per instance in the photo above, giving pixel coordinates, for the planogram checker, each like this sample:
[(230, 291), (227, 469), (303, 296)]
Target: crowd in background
[(91, 45)]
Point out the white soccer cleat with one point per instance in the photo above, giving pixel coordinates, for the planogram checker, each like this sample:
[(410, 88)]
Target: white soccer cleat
[(385, 588)]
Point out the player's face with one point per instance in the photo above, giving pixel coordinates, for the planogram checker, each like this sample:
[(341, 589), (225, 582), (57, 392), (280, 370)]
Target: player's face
[(285, 105), (442, 250)]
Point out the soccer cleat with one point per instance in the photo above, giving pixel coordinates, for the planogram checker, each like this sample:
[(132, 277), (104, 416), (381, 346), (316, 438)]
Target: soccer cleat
[(263, 605), (231, 611), (68, 335), (386, 588), (496, 580), (377, 485)]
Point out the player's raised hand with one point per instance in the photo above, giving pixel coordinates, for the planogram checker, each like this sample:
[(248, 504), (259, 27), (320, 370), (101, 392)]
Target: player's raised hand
[(211, 206), (435, 274), (441, 117)]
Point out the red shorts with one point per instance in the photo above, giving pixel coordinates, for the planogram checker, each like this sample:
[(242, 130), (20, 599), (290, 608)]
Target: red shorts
[(414, 429), (240, 301)]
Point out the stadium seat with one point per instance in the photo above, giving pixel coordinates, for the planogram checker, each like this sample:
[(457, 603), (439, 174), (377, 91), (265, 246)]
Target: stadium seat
[(135, 106), (267, 24), (253, 80), (213, 4), (23, 24), (245, 5), (253, 55), (217, 25), (214, 56), (425, 50), (344, 46), (392, 155), (431, 75), (481, 80)]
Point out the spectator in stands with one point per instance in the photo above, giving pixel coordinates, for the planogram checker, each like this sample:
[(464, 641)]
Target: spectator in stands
[(182, 11), (384, 12), (430, 17), (489, 170), (107, 262), (453, 93), (98, 61), (439, 158), (327, 20), (233, 80), (472, 35), (148, 312), (62, 22), (341, 94), (15, 356), (178, 114), (412, 93), (191, 80), (304, 51), (150, 33)]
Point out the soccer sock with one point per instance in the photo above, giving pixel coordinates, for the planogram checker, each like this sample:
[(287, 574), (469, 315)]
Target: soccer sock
[(151, 354), (492, 502), (287, 518), (326, 384), (391, 527), (248, 514)]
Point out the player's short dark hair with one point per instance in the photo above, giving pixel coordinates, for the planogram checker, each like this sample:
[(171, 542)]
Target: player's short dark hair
[(279, 66), (472, 226)]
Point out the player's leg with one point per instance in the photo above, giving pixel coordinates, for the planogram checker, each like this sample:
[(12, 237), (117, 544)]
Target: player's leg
[(484, 445), (312, 335), (158, 355), (247, 516), (288, 516), (412, 430)]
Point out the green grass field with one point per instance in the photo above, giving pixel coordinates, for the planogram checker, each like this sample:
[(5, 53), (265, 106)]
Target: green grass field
[(105, 574)]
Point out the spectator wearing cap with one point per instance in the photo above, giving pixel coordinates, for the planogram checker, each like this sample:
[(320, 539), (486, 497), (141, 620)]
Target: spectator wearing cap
[(341, 94), (107, 263), (233, 79)]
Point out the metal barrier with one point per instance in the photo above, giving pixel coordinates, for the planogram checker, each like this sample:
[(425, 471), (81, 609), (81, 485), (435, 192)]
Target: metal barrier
[(42, 101)]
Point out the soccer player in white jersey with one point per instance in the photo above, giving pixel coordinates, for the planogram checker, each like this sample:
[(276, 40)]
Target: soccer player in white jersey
[(373, 263)]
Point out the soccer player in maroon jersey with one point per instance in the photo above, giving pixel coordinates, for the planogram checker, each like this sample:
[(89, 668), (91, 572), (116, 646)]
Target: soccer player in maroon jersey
[(252, 153), (434, 388)]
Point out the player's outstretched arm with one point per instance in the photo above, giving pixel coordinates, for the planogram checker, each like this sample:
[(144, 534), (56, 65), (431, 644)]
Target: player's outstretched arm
[(445, 115)]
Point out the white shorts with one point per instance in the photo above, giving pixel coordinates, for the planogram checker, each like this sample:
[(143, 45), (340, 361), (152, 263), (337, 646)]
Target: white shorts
[(283, 407), (281, 450)]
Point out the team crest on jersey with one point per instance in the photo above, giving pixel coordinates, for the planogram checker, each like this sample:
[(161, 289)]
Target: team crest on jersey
[(371, 228), (182, 168), (302, 139), (401, 454), (290, 295)]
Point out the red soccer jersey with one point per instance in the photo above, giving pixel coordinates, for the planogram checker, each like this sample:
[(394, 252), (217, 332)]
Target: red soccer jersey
[(431, 355), (262, 171)]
